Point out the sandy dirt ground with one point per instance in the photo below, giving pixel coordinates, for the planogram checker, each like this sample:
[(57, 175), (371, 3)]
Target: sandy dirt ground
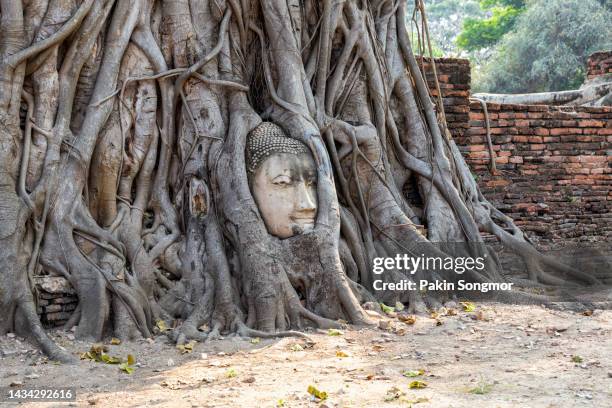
[(496, 356)]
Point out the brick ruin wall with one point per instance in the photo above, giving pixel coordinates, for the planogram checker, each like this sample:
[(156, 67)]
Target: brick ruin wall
[(554, 168), (454, 78), (599, 63), (56, 300), (553, 165)]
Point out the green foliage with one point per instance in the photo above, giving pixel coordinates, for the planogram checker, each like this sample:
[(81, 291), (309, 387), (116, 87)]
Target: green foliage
[(548, 48), (445, 19), (489, 4), (435, 49), (501, 17)]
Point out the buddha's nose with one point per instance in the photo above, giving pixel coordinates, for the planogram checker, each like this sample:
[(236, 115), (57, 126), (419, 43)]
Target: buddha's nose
[(307, 202)]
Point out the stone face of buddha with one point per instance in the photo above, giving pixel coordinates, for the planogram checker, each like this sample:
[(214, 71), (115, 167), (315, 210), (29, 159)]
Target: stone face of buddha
[(282, 177)]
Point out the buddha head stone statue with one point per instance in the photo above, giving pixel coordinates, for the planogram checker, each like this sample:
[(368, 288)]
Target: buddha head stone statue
[(282, 177)]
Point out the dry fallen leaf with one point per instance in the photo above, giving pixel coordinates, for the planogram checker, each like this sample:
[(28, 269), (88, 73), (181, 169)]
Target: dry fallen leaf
[(413, 373), (161, 325), (296, 347), (387, 309), (417, 384), (186, 348), (126, 368), (468, 306), (407, 318), (316, 393)]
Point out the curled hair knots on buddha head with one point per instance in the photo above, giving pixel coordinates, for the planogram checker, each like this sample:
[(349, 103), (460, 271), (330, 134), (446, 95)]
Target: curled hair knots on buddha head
[(268, 139)]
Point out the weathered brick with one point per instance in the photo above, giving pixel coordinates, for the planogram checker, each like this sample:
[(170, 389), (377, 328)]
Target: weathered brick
[(565, 131), (521, 123), (591, 123), (534, 139)]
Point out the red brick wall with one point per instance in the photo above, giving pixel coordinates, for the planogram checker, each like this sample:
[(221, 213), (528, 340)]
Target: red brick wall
[(454, 78), (599, 63), (554, 163), (555, 168)]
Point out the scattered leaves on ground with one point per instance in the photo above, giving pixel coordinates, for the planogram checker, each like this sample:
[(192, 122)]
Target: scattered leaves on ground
[(126, 368), (407, 318), (161, 325), (334, 332), (413, 373), (387, 309), (468, 306), (97, 353), (316, 393), (105, 358), (296, 347), (577, 359), (187, 347), (341, 353), (417, 384)]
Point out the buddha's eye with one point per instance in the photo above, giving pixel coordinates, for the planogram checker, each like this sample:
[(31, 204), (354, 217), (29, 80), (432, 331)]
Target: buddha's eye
[(282, 180)]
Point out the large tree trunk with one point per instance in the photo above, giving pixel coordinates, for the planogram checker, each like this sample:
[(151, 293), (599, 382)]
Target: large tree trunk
[(126, 175)]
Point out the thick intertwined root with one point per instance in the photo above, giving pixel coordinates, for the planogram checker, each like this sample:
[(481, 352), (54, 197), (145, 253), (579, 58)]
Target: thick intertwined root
[(126, 175)]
